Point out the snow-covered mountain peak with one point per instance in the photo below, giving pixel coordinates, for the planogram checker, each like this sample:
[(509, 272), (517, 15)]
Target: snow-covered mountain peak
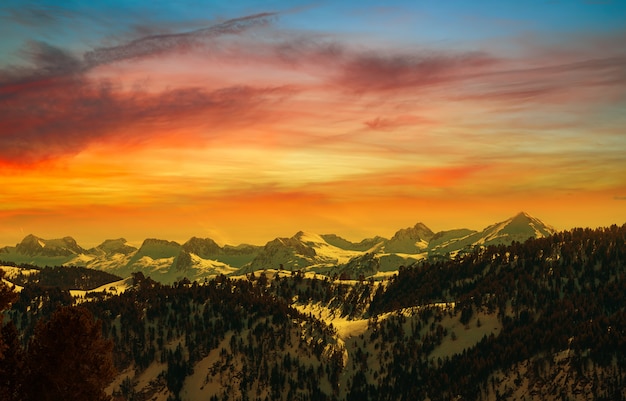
[(310, 238), (520, 227), (112, 247), (365, 245), (158, 246), (410, 240), (33, 245), (202, 247), (417, 232), (31, 242)]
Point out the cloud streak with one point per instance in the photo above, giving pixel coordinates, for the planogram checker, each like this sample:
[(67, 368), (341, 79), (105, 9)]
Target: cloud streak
[(54, 108), (374, 72), (52, 62), (67, 117), (159, 44)]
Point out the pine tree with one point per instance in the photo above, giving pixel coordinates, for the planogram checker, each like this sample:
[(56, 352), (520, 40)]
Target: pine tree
[(68, 359), (11, 365), (7, 296)]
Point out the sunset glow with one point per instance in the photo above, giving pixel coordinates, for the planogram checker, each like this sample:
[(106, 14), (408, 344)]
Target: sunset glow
[(243, 122)]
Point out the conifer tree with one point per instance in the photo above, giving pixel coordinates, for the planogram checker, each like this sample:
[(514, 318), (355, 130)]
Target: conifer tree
[(68, 359), (7, 296), (11, 354), (11, 365)]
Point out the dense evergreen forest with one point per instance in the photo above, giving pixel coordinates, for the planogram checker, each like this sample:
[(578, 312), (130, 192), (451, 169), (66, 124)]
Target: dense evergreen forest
[(543, 319), (61, 277)]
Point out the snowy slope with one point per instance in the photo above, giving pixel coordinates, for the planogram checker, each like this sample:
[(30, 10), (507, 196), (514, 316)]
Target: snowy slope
[(10, 272), (410, 240), (303, 250), (112, 247), (366, 245), (114, 288), (235, 256), (517, 228)]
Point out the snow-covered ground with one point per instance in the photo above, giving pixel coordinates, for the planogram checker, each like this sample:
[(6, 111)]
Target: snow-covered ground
[(326, 251), (346, 328), (11, 272), (114, 288), (461, 337)]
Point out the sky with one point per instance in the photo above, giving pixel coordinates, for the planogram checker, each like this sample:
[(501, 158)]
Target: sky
[(243, 121)]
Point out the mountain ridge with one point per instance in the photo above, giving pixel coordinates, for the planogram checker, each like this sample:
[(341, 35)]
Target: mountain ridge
[(324, 254)]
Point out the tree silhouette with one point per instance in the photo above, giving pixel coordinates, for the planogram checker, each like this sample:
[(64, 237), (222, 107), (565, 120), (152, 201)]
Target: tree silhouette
[(11, 365), (7, 296), (68, 359)]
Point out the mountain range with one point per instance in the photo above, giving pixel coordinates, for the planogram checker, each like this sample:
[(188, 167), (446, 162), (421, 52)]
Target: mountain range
[(329, 254), (539, 320)]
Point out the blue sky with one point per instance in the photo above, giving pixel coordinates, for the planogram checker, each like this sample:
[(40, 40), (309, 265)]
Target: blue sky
[(428, 21)]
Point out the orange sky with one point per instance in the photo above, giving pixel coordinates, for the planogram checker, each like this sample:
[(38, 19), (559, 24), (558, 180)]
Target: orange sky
[(266, 130)]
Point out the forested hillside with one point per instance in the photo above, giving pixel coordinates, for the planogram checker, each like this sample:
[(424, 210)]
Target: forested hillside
[(543, 319), (62, 277)]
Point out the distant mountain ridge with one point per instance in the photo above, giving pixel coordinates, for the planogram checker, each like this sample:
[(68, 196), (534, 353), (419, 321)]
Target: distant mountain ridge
[(199, 258), (519, 228)]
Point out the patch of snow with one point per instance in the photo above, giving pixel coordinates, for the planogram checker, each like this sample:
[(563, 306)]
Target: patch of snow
[(146, 262), (11, 272), (116, 287), (208, 267), (324, 250), (79, 260), (16, 288), (78, 293), (468, 335)]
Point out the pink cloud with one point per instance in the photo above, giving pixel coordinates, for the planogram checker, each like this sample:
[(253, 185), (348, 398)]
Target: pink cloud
[(386, 124), (63, 117), (364, 73)]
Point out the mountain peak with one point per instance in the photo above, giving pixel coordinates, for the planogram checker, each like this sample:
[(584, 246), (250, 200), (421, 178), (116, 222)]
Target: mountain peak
[(33, 245), (362, 246), (308, 237), (421, 226), (418, 232), (113, 246), (159, 242), (299, 234), (522, 216), (203, 247), (31, 239), (518, 228), (410, 240)]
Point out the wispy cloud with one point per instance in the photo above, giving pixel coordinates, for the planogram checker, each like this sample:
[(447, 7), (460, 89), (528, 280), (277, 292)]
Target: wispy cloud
[(387, 124), (65, 118), (550, 83), (157, 44), (48, 61), (379, 72), (53, 107)]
